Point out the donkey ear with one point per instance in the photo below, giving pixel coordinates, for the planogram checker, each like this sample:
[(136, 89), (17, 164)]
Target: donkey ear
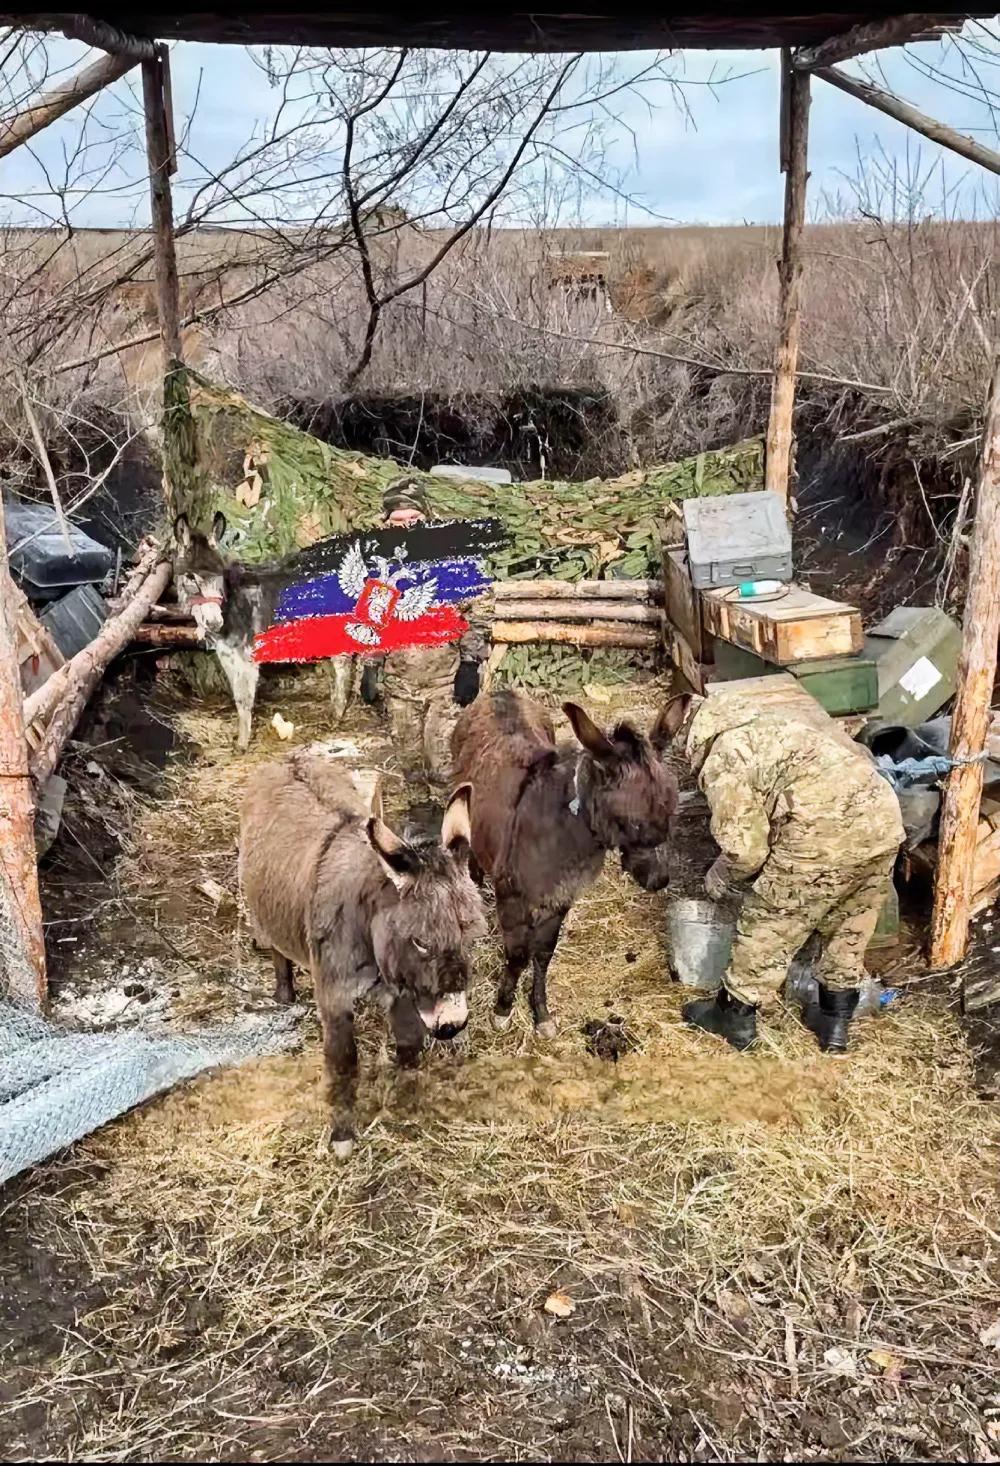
[(587, 732), (456, 827), (182, 532), (218, 528), (377, 804), (672, 715), (399, 860)]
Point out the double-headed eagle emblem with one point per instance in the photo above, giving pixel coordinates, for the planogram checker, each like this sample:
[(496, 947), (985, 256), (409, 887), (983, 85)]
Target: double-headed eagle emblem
[(378, 599)]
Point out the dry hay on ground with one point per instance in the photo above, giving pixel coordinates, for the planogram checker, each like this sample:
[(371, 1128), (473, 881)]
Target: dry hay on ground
[(778, 1256)]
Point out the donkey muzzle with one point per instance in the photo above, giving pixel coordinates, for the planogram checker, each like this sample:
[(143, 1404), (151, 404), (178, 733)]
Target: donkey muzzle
[(449, 1015)]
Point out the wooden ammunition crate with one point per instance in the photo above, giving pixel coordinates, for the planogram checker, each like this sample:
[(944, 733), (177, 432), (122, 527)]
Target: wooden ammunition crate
[(796, 626)]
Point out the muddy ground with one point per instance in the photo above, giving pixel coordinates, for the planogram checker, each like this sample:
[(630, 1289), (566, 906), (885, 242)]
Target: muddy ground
[(769, 1257)]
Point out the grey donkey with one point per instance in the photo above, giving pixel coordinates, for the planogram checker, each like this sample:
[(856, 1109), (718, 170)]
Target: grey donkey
[(331, 889)]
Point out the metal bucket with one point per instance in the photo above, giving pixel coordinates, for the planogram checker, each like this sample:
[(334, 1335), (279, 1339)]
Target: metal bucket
[(699, 942)]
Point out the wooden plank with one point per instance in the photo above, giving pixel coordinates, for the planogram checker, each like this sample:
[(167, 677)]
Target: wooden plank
[(977, 667), (800, 627), (683, 602), (683, 658)]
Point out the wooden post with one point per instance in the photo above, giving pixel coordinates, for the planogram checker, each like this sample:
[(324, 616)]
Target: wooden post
[(181, 478), (794, 151), (159, 155), (976, 672), (18, 866), (55, 104)]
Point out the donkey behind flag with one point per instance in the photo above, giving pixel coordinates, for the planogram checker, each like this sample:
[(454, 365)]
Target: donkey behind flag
[(378, 591)]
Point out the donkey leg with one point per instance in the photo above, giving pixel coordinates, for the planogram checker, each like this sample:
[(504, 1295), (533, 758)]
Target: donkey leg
[(284, 983), (515, 933), (543, 944), (242, 674), (340, 1056), (408, 1030)]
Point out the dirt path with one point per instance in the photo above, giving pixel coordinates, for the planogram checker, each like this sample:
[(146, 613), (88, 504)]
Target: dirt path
[(774, 1257)]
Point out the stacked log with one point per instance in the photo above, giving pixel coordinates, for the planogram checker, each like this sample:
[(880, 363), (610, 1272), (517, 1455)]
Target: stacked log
[(584, 613)]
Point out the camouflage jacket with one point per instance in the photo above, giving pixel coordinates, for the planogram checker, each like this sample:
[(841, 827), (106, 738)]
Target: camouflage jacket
[(776, 785), (430, 669)]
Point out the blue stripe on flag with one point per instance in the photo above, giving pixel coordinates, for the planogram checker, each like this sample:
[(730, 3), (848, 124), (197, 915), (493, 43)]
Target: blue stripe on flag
[(323, 595)]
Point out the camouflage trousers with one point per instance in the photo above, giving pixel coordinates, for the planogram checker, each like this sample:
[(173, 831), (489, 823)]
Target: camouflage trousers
[(787, 904), (420, 725)]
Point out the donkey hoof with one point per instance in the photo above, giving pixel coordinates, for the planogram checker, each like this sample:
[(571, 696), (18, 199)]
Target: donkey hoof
[(548, 1029), (341, 1149), (501, 1021)]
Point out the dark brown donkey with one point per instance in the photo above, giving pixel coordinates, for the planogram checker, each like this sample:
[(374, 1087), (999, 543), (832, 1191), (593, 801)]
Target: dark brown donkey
[(543, 818), (331, 889)]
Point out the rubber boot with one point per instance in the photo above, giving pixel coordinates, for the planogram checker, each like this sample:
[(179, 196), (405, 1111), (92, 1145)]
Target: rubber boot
[(829, 1017), (725, 1015)]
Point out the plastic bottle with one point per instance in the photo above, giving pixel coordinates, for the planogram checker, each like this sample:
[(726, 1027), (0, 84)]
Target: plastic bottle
[(873, 997), (750, 588), (803, 988)]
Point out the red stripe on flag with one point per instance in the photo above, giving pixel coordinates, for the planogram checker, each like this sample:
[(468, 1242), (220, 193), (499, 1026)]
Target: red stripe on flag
[(316, 637)]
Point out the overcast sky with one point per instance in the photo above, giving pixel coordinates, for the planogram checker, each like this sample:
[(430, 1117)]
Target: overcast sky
[(717, 166)]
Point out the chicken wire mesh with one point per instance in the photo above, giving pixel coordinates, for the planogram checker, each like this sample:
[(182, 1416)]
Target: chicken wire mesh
[(57, 1086)]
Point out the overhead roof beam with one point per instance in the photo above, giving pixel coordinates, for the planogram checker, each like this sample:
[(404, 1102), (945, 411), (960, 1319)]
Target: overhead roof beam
[(892, 106), (94, 32), (875, 35)]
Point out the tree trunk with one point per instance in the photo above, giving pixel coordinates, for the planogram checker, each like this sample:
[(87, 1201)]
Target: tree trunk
[(22, 958), (969, 723), (86, 669), (637, 638), (795, 142)]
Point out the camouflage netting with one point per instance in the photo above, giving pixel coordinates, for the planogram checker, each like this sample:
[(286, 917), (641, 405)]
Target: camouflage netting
[(282, 489)]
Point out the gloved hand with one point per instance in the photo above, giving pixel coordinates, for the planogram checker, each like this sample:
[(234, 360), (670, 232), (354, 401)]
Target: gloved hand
[(719, 882), (466, 683)]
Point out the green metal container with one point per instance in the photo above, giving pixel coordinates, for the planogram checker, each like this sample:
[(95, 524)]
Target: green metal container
[(916, 652), (841, 685)]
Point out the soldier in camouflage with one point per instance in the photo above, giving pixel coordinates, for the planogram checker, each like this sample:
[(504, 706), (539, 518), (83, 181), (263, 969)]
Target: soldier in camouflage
[(809, 820), (424, 689)]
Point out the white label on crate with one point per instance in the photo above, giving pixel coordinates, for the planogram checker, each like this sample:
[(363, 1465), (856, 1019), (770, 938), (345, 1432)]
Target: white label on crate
[(921, 677)]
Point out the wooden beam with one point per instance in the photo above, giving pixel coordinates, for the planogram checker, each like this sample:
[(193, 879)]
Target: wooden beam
[(159, 155), (969, 723), (106, 37), (885, 102), (22, 959), (795, 145), (874, 35), (55, 104)]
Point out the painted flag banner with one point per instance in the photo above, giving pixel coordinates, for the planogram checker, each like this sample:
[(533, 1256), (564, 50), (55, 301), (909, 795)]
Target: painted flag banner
[(380, 590)]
